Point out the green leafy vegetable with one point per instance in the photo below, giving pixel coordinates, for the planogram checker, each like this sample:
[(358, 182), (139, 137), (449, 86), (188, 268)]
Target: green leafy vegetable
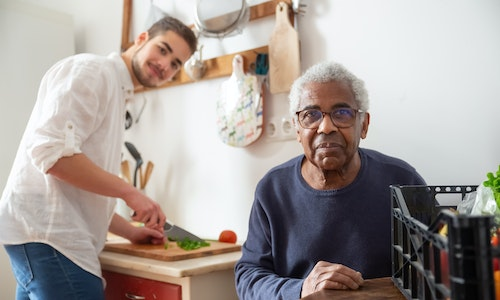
[(493, 182), (188, 244)]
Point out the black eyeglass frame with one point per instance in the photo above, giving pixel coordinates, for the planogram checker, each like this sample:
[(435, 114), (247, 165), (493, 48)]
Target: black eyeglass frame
[(353, 110)]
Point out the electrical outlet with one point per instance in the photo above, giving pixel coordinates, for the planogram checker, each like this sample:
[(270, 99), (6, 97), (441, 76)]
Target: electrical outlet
[(280, 129), (287, 129), (271, 130)]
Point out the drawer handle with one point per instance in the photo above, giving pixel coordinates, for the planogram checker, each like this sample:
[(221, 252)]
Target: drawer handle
[(134, 297)]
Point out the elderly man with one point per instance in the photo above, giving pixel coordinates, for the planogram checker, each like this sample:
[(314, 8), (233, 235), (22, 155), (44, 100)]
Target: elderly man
[(322, 220)]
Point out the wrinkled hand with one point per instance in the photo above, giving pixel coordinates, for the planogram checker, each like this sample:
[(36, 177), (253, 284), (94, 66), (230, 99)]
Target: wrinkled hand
[(146, 211), (145, 235), (329, 276)]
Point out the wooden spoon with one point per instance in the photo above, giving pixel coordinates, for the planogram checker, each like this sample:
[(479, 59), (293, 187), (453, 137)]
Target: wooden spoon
[(147, 174), (125, 170)]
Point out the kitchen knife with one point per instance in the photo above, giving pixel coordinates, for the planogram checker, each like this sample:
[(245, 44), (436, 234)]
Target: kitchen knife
[(176, 233)]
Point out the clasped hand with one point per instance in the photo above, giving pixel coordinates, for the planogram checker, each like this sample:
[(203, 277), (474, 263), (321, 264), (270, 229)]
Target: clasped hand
[(327, 276)]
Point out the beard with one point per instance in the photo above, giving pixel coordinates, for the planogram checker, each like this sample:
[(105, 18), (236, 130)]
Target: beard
[(141, 77)]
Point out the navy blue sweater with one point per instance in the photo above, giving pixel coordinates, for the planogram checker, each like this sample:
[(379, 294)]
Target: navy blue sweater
[(292, 226)]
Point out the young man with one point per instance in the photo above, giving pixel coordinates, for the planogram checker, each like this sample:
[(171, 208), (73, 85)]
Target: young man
[(322, 220), (59, 201)]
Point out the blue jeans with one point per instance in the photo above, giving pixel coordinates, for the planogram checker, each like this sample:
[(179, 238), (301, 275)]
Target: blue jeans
[(43, 273)]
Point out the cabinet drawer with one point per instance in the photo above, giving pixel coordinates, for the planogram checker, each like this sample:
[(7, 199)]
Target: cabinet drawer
[(121, 286)]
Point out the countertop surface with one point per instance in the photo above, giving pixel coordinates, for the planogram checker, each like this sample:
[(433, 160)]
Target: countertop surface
[(180, 268), (380, 288)]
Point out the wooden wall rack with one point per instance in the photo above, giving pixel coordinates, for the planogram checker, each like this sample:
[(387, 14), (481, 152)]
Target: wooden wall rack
[(217, 66)]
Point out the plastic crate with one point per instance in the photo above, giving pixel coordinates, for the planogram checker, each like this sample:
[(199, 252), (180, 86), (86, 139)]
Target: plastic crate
[(429, 265)]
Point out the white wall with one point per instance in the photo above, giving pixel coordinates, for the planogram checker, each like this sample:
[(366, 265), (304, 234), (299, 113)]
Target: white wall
[(432, 69)]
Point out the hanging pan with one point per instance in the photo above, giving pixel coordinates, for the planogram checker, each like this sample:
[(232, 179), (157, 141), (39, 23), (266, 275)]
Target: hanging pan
[(221, 18)]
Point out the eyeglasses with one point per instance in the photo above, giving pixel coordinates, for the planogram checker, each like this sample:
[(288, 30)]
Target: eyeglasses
[(343, 117)]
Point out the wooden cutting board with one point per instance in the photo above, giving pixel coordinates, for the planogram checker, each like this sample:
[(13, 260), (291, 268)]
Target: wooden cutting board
[(284, 52), (173, 252)]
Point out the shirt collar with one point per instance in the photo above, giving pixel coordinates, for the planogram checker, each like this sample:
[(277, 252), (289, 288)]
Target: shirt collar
[(124, 75)]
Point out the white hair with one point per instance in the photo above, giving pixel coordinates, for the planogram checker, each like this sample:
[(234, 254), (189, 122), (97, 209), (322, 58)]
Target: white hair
[(326, 72)]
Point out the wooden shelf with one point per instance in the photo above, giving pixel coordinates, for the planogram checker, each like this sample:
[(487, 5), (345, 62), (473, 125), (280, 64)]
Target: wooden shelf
[(217, 67)]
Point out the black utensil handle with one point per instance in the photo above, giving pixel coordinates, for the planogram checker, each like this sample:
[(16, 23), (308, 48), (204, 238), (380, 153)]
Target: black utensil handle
[(135, 176)]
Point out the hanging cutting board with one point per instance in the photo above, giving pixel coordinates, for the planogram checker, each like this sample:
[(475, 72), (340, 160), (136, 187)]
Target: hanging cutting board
[(173, 252), (239, 107), (284, 52)]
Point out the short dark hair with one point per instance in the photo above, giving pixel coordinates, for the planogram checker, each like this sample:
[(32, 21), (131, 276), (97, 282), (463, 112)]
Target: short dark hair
[(170, 23)]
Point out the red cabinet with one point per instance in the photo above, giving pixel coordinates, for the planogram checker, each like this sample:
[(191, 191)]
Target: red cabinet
[(121, 286)]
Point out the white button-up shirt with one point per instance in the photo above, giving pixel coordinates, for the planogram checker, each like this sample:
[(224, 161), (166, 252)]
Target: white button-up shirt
[(80, 108)]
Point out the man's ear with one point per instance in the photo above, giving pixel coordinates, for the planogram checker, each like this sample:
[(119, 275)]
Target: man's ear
[(365, 125), (141, 38), (296, 127)]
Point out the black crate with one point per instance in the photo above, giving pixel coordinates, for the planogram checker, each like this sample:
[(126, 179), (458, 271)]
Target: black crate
[(428, 265)]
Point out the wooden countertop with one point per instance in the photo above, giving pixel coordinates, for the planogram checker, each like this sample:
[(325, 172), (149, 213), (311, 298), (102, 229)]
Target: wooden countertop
[(131, 264), (180, 268), (373, 289)]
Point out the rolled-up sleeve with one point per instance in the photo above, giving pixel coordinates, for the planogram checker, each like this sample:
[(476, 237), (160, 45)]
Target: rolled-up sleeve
[(46, 153), (68, 114)]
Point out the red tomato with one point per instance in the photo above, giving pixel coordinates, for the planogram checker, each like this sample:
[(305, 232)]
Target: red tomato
[(228, 236), (494, 240)]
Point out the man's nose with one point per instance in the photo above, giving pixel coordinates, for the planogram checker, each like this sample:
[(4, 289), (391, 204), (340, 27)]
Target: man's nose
[(326, 126)]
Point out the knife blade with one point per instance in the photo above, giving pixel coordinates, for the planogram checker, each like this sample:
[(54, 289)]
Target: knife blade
[(176, 233)]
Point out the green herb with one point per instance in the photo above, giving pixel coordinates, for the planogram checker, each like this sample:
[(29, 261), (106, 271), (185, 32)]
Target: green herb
[(493, 182), (188, 244)]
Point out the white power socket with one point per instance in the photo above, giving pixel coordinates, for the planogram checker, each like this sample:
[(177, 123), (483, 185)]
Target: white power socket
[(279, 129)]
